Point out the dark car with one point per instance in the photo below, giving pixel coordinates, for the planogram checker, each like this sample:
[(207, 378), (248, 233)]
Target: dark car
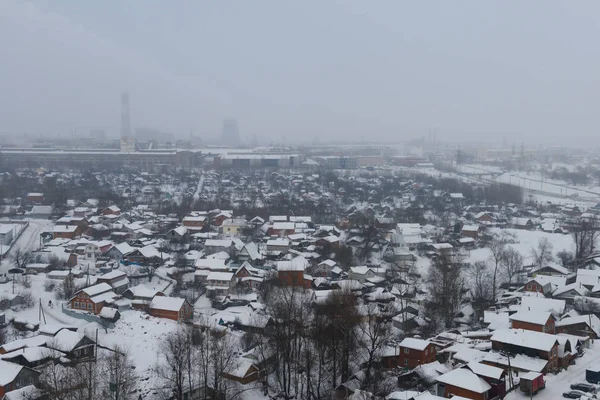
[(573, 394), (584, 387)]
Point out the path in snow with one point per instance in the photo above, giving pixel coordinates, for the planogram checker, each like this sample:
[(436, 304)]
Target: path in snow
[(198, 190), (28, 241)]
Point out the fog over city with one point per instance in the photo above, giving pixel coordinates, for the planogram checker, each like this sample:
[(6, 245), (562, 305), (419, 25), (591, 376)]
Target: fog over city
[(290, 72)]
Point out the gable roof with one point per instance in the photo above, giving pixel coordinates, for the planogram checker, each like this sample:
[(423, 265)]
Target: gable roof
[(167, 303), (465, 379), (525, 338), (414, 343), (532, 317), (485, 370)]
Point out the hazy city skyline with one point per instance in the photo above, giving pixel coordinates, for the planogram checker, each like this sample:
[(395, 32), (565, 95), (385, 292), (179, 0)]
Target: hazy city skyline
[(336, 70)]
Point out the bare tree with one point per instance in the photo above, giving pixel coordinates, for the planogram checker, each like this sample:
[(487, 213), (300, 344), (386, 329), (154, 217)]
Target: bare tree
[(512, 263), (585, 236), (542, 254), (445, 284), (482, 290), (566, 258), (173, 366), (371, 336), (289, 309), (117, 377), (497, 248), (21, 258), (67, 287)]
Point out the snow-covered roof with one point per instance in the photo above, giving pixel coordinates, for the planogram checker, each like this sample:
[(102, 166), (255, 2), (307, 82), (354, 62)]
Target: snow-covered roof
[(218, 243), (108, 312), (8, 372), (465, 379), (65, 341), (33, 354), (518, 361), (211, 264), (581, 319), (64, 228), (220, 276), (167, 303), (33, 341), (113, 275), (486, 370), (577, 289), (414, 343), (278, 242), (555, 306), (97, 289), (532, 317), (525, 338), (296, 264)]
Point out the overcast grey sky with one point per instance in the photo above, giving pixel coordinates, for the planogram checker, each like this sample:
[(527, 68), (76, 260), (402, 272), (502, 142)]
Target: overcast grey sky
[(339, 69)]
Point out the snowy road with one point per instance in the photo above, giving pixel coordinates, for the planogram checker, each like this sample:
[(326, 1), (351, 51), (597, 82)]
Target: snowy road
[(198, 190), (556, 385), (28, 241)]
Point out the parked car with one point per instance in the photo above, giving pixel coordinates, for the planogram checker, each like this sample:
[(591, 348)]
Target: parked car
[(577, 394), (584, 387)]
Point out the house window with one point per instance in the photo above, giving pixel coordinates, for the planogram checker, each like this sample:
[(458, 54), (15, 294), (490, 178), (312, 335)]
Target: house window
[(76, 304), (406, 350), (90, 306), (426, 351), (406, 361)]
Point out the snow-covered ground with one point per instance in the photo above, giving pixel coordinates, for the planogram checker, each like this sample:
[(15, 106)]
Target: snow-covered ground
[(29, 240), (524, 242)]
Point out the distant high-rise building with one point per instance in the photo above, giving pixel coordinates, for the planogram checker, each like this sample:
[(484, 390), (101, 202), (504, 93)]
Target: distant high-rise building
[(230, 135), (125, 121), (127, 141)]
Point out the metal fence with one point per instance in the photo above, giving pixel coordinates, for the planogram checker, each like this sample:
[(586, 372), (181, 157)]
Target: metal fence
[(87, 317)]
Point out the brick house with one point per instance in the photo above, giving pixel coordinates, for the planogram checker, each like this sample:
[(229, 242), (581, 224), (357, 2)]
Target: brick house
[(37, 198), (471, 231), (530, 343), (484, 217), (93, 298), (410, 353), (533, 321), (580, 325), (66, 231), (539, 284), (494, 376), (219, 283), (76, 346), (141, 297), (464, 383), (194, 221), (292, 273), (414, 352), (174, 308), (282, 229), (15, 376), (112, 210), (116, 279)]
